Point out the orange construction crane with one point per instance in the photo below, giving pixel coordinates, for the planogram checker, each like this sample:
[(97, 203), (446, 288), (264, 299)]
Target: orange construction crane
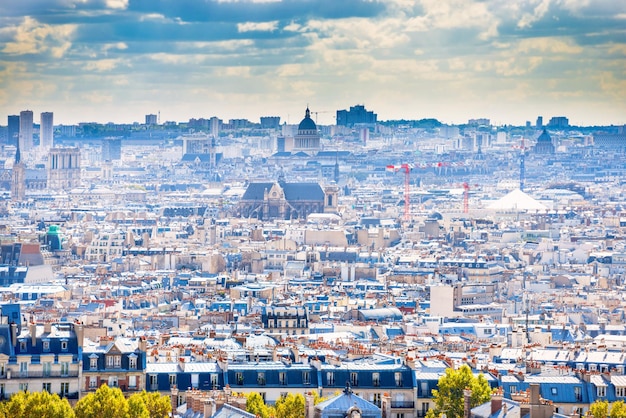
[(407, 177)]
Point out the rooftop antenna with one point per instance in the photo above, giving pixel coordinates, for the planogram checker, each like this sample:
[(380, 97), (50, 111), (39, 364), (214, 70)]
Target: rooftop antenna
[(159, 121)]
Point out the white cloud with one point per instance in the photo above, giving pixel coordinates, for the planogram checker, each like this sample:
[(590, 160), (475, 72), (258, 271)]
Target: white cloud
[(32, 37), (257, 26), (117, 4), (538, 12), (102, 65)]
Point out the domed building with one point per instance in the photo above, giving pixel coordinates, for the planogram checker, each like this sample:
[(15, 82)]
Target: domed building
[(308, 138), (544, 144)]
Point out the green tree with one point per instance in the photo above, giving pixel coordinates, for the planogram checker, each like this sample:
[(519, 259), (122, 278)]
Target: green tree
[(449, 397), (256, 405), (157, 405), (290, 406), (36, 405), (599, 409), (105, 402), (618, 410)]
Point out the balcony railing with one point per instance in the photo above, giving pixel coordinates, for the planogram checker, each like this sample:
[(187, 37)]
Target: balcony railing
[(44, 374), (402, 404)]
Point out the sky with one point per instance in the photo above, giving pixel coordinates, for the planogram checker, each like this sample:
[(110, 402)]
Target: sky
[(453, 60)]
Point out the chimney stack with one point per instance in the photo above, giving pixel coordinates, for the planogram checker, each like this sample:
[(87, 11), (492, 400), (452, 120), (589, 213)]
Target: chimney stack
[(467, 396), (496, 401), (33, 333)]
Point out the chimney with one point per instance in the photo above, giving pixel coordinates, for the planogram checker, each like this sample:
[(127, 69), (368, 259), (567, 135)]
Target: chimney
[(386, 403), (47, 327), (104, 341), (79, 329), (174, 398), (14, 334), (142, 345), (496, 401), (467, 396), (33, 333), (309, 405), (209, 408), (534, 393)]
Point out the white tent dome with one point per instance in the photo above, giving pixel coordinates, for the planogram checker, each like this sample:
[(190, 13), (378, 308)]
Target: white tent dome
[(517, 201)]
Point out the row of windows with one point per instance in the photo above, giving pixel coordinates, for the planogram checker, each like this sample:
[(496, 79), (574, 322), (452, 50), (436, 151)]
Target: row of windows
[(45, 345), (330, 378)]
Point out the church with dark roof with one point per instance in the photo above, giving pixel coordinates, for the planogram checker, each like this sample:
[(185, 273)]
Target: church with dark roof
[(282, 200)]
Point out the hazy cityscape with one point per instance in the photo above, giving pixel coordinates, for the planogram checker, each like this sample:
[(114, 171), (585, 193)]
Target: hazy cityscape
[(306, 209)]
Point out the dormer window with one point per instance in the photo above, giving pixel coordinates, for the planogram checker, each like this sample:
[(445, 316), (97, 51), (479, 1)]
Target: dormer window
[(46, 345), (63, 345), (23, 346), (132, 361)]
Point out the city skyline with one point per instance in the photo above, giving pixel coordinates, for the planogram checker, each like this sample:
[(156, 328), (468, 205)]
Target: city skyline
[(118, 60)]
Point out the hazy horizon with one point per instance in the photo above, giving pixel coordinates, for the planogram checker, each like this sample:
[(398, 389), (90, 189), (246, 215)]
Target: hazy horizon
[(453, 60)]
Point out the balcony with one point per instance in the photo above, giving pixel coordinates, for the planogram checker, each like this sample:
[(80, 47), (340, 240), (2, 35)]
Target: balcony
[(34, 374), (403, 404)]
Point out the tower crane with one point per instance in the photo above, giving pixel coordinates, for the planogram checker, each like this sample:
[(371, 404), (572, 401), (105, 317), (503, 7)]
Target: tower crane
[(407, 177), (466, 189)]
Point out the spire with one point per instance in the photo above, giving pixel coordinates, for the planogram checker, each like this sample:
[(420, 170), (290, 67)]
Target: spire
[(307, 114), (18, 154)]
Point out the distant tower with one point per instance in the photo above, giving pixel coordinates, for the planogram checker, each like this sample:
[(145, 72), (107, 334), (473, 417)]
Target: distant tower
[(26, 130), (212, 154), (18, 177), (337, 167), (63, 168), (13, 129), (151, 119), (46, 131), (539, 122)]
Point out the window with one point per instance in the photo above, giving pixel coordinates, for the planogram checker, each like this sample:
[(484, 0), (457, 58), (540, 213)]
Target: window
[(354, 379), (330, 378), (23, 369), (46, 345), (398, 377), (154, 382), (3, 369), (65, 368), (306, 378), (376, 399), (46, 387), (114, 361), (214, 381), (282, 378), (260, 378), (23, 386), (620, 392), (112, 381), (22, 346), (93, 363), (578, 393), (64, 345), (376, 379), (47, 368), (132, 363), (512, 389), (93, 382), (132, 382), (424, 408), (65, 389), (239, 378), (601, 391), (172, 380)]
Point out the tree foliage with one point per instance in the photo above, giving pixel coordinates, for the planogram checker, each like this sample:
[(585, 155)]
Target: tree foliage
[(256, 405), (105, 402), (449, 397), (290, 406), (618, 410), (599, 409), (156, 405), (36, 405)]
